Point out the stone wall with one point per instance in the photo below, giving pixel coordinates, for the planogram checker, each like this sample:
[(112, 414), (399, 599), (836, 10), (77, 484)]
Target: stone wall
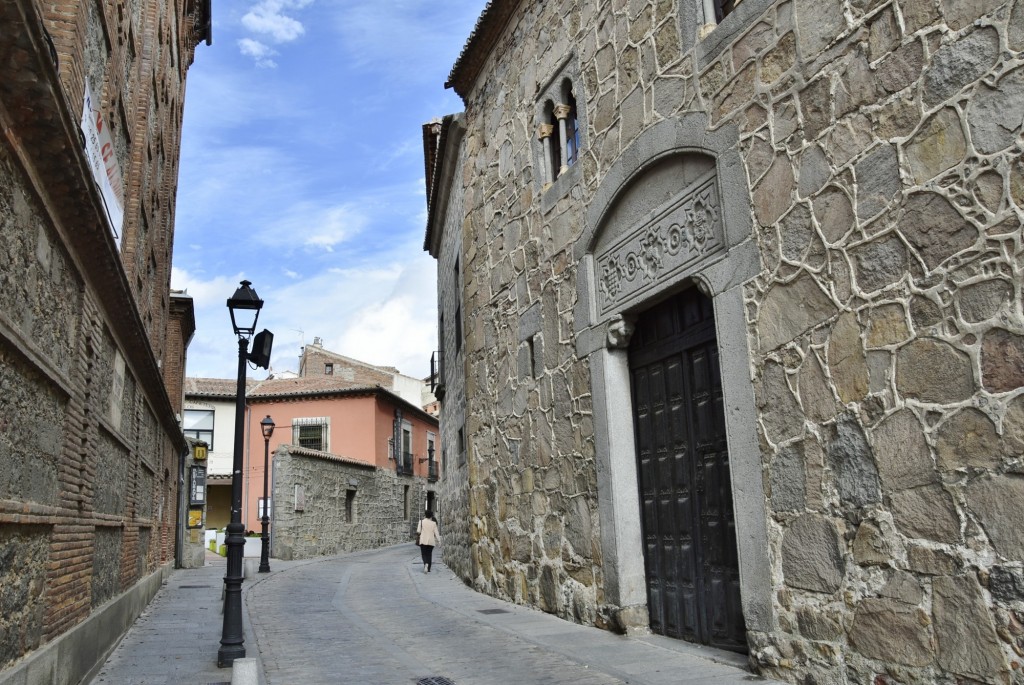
[(881, 142), (89, 439), (454, 512), (381, 514)]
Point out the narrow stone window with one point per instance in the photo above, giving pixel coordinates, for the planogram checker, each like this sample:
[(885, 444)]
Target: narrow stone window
[(405, 502), (328, 369), (714, 12), (462, 447), (457, 289), (350, 506), (561, 132)]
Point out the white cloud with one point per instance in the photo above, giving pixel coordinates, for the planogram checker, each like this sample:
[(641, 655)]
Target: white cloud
[(267, 18), (381, 311), (261, 53)]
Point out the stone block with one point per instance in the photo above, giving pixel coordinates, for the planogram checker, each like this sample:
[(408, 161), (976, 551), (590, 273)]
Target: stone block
[(880, 262), (788, 479), (780, 411), (773, 194), (938, 146), (903, 587), (819, 624), (878, 180), (790, 309), (967, 439), (995, 115), (962, 13), (871, 547), (833, 212), (818, 24), (816, 395), (1002, 360), (891, 631), (996, 503), (935, 229), (959, 64), (846, 359), (931, 562), (852, 464), (926, 512), (932, 370), (1006, 583), (982, 301), (967, 641), (901, 452), (811, 555)]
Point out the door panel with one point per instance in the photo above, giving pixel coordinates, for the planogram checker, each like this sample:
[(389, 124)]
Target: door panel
[(685, 489)]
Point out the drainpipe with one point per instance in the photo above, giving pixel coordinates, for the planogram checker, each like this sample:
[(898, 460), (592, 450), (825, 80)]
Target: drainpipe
[(179, 528)]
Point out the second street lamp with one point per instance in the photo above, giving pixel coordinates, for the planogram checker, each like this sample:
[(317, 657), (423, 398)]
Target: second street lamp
[(267, 425)]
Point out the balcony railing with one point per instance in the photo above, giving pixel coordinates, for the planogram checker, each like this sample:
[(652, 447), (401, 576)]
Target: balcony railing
[(404, 465), (432, 471), (437, 373)]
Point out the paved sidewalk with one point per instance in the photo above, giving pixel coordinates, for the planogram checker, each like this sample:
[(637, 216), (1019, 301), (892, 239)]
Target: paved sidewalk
[(375, 618)]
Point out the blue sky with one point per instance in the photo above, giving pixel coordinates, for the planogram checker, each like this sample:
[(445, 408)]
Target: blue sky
[(302, 171)]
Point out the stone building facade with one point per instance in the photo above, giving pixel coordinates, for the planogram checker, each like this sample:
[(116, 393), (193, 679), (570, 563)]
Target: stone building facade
[(328, 504), (90, 445), (739, 299)]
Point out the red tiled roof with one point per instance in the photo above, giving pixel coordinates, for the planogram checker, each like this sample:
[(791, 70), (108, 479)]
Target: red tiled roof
[(294, 388), (306, 386)]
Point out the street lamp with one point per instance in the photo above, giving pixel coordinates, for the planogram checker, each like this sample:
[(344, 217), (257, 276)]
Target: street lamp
[(243, 304), (267, 425)]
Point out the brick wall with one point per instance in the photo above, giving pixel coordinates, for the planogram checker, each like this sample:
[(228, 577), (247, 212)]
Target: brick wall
[(89, 441)]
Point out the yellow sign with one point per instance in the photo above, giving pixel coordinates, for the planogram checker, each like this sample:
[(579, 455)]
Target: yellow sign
[(195, 518), (199, 452)]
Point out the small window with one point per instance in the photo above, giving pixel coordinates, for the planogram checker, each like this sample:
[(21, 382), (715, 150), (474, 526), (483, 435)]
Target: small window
[(198, 424), (350, 506), (269, 504), (406, 502), (462, 447), (311, 433), (328, 369)]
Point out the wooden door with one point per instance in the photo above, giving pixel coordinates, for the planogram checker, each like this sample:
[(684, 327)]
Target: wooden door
[(693, 589)]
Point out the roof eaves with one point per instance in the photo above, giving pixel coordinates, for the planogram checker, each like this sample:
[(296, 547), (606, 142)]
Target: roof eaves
[(485, 33)]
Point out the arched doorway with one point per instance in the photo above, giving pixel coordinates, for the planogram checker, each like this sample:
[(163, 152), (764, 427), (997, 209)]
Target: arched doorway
[(658, 223), (687, 522)]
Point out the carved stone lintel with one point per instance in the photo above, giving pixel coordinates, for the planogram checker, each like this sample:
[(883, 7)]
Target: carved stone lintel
[(620, 331), (544, 131), (562, 111)]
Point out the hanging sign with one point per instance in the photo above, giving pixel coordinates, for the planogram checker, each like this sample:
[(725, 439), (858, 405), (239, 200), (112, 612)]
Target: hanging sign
[(99, 147)]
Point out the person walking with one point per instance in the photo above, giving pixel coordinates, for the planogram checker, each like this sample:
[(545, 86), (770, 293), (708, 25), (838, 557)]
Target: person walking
[(427, 537)]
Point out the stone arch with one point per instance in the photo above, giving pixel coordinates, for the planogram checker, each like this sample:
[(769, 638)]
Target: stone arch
[(675, 171)]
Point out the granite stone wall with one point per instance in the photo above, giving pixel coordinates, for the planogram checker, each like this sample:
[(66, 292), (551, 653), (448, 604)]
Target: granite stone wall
[(881, 141), (385, 506)]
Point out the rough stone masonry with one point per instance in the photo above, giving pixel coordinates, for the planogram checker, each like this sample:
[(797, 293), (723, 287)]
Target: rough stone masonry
[(870, 162)]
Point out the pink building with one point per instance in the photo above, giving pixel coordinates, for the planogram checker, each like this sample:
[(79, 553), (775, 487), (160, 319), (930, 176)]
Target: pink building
[(352, 424), (346, 409)]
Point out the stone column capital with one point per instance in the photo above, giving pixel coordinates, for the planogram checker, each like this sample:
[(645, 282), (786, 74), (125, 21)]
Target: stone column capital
[(545, 131), (562, 111)]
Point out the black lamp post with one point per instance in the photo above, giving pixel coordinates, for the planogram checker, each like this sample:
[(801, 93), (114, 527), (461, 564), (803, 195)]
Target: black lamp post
[(267, 425), (243, 304)]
